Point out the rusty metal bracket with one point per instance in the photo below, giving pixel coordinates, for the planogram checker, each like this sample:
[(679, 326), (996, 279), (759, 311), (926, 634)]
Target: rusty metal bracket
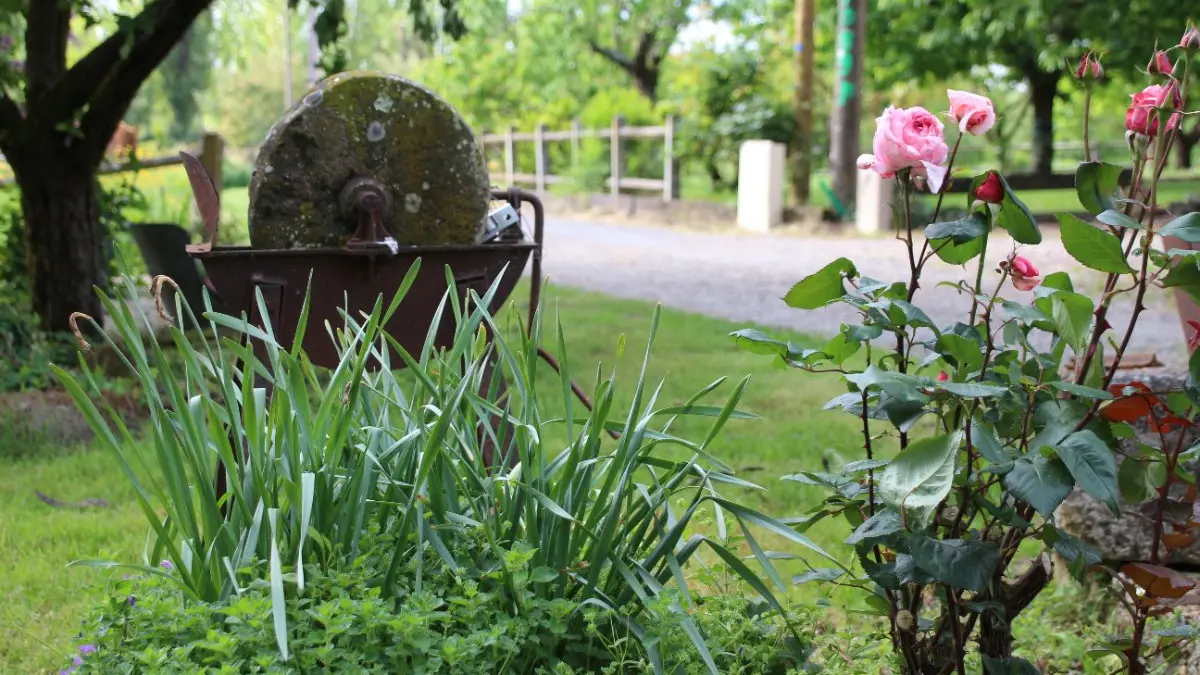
[(208, 201), (367, 202)]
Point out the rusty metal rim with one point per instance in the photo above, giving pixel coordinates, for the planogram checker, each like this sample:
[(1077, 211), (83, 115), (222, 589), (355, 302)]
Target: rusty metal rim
[(408, 251)]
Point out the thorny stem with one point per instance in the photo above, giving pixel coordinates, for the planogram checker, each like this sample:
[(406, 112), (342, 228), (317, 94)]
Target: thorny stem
[(1111, 281), (979, 280), (937, 210), (1161, 152), (1137, 664), (1087, 114), (960, 648)]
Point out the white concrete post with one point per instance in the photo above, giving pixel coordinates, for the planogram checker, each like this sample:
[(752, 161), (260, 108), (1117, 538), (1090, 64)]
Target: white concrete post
[(873, 205), (760, 185)]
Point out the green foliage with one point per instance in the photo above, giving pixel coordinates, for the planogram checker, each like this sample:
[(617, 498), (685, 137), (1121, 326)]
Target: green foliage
[(235, 172), (449, 624), (605, 527), (724, 98)]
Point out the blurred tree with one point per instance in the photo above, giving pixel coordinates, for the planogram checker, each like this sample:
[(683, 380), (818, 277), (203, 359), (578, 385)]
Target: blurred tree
[(1032, 41), (185, 74), (724, 103), (634, 35), (56, 119)]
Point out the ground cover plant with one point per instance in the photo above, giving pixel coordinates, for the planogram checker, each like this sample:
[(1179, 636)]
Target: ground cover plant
[(993, 430)]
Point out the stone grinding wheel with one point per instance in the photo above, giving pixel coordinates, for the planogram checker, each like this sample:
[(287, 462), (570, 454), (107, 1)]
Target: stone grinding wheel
[(368, 125)]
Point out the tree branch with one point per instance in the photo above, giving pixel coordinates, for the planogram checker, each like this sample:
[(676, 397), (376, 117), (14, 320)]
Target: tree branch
[(612, 55), (46, 27), (645, 44), (149, 38)]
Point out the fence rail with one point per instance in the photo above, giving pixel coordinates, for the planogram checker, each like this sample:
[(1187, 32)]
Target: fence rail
[(212, 150), (616, 135)]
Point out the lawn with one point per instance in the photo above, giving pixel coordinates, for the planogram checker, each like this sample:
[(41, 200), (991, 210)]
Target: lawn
[(45, 600)]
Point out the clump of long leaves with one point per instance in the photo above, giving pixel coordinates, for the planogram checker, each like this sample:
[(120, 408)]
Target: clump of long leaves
[(314, 457)]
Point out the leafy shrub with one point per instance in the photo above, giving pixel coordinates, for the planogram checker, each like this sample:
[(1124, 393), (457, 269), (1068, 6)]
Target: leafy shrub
[(341, 623), (994, 429), (235, 172), (570, 516), (26, 351)]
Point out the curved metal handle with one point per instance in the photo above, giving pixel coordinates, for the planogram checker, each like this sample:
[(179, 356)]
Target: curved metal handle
[(208, 201)]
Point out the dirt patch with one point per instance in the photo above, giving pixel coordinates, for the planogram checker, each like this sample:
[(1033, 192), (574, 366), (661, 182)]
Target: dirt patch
[(32, 420)]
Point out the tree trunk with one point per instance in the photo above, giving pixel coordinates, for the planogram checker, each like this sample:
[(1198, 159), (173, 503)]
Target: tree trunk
[(1043, 89), (62, 241), (1186, 142), (646, 80), (714, 172)]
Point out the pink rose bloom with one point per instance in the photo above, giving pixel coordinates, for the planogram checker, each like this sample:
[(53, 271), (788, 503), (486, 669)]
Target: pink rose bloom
[(1024, 273), (971, 112), (908, 138), (1142, 118)]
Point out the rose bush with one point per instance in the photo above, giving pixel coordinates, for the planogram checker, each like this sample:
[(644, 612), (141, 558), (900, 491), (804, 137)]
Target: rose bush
[(975, 431)]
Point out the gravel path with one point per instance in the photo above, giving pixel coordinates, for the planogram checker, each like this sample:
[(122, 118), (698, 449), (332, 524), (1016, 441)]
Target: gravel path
[(742, 276)]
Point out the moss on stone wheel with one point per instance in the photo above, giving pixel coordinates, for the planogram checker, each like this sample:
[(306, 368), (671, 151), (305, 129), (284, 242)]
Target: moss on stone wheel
[(374, 125)]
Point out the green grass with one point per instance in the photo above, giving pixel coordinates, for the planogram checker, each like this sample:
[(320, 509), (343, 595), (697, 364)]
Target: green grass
[(45, 600)]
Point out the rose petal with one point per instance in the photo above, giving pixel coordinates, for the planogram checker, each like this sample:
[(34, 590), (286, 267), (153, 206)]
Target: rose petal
[(1025, 283), (936, 175)]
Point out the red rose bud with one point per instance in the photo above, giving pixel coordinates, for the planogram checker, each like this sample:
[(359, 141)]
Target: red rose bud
[(1160, 64), (943, 377), (1021, 265), (991, 190), (1191, 38), (1089, 68), (1024, 273)]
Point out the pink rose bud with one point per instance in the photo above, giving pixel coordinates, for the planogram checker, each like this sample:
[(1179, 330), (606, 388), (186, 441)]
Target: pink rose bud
[(943, 377), (1089, 68), (1191, 38), (1142, 116), (1160, 64), (991, 190), (1024, 273), (908, 138), (971, 112)]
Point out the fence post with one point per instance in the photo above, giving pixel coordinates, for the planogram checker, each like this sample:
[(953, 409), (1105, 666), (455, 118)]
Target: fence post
[(212, 152), (540, 157), (510, 157), (616, 151), (670, 163), (576, 141)]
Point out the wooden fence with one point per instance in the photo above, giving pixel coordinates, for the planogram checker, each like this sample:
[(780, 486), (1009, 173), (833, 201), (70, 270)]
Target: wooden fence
[(212, 152), (616, 134)]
